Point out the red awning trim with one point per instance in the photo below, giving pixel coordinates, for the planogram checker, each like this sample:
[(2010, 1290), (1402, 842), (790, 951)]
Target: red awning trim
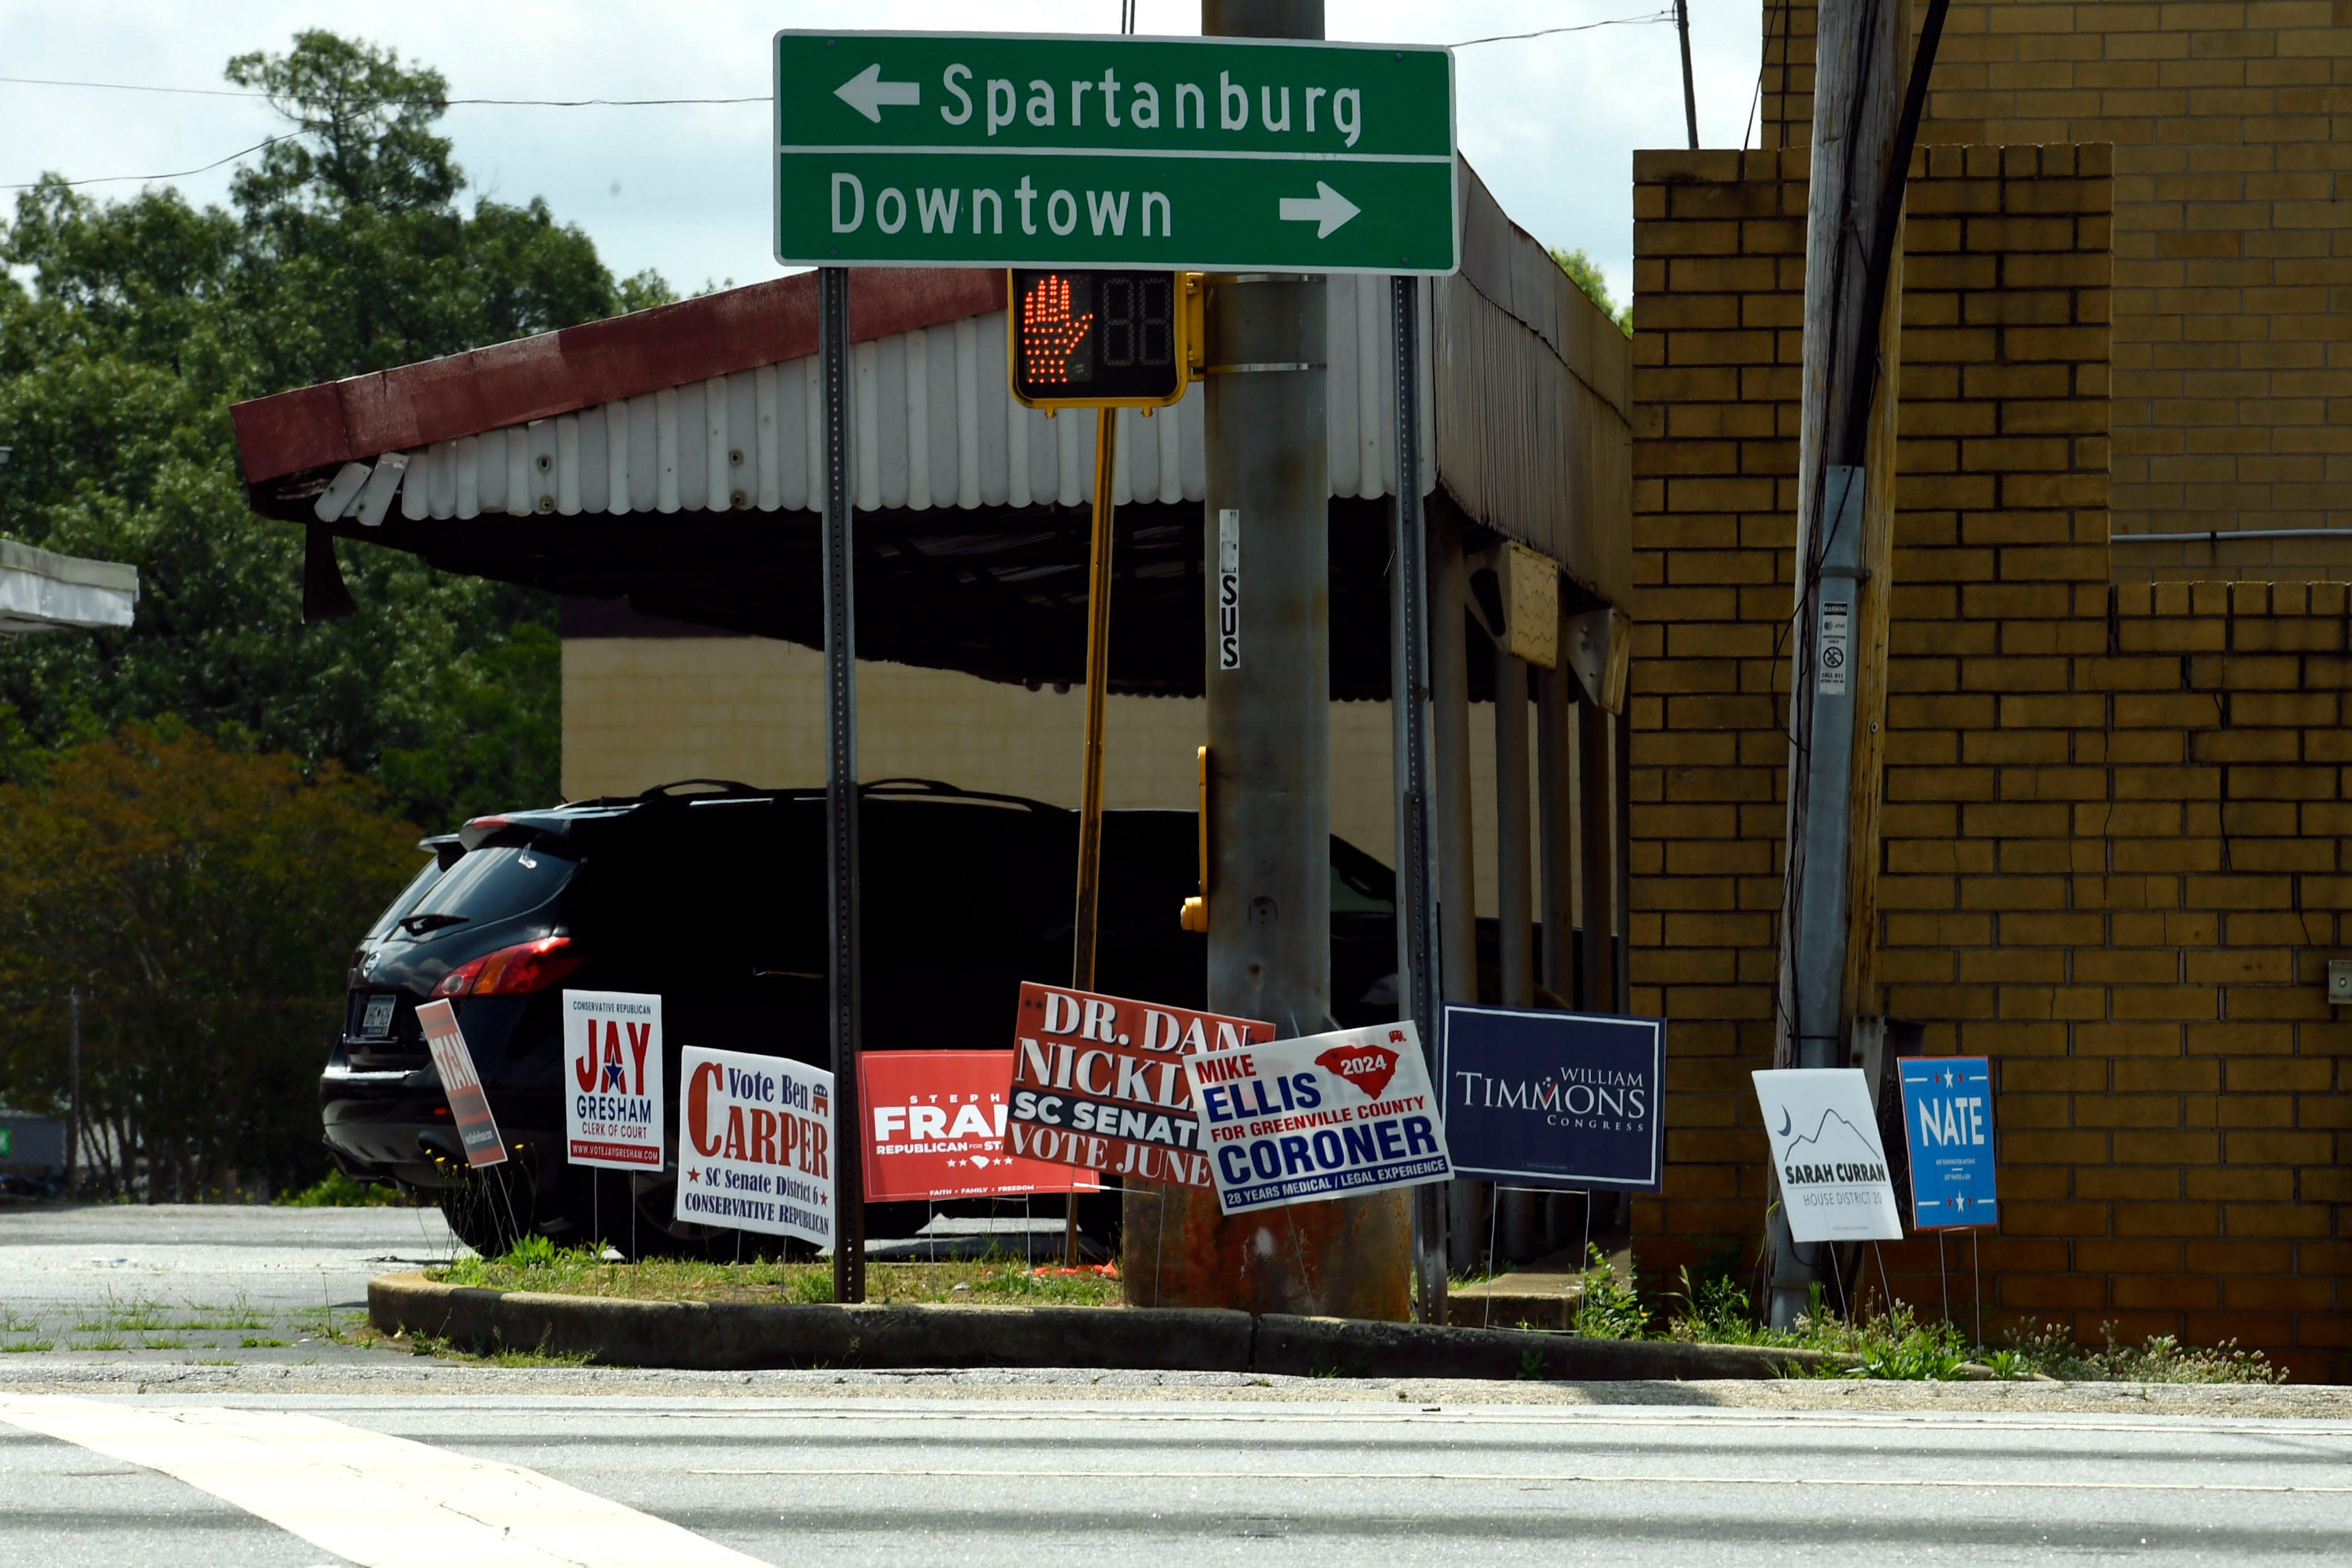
[(580, 367)]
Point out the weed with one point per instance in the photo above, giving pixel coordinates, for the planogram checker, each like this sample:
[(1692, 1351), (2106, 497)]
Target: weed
[(18, 1347), (578, 1271), (336, 1190), (492, 1354), (100, 1345), (2160, 1358), (1611, 1307), (164, 1342), (1532, 1363), (248, 1343)]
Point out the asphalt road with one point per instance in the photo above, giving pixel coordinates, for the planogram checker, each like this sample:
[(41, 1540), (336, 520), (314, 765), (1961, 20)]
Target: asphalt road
[(313, 1450)]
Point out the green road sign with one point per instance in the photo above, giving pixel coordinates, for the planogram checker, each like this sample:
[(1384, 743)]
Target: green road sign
[(1189, 154)]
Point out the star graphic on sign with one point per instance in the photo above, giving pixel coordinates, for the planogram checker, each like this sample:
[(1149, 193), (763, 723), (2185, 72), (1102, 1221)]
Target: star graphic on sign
[(693, 1175)]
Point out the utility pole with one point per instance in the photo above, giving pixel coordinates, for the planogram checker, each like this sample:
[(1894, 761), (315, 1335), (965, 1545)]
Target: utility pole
[(73, 1076), (1864, 129), (1690, 88), (1269, 894)]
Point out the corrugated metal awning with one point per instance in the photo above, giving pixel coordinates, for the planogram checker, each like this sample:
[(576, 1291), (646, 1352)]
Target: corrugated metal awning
[(41, 590), (667, 456)]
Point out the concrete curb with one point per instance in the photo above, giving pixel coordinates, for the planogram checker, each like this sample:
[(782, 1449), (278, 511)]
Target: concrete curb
[(723, 1336)]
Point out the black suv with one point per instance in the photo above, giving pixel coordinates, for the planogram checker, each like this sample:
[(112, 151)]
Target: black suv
[(713, 895)]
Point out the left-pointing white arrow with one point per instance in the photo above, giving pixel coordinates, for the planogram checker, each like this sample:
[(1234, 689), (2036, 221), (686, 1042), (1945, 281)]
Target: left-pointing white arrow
[(1327, 209), (866, 92)]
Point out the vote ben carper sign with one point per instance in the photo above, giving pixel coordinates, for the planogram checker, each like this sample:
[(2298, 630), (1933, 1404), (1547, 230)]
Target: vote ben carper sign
[(754, 1135), (938, 1121), (612, 1078), (1330, 1115), (1099, 1081)]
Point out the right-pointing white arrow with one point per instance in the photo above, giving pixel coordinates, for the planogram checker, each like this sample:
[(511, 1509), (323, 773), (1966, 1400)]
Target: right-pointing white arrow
[(1327, 208), (866, 92)]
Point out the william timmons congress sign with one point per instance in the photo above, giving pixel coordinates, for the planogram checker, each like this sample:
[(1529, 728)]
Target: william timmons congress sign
[(1553, 1099)]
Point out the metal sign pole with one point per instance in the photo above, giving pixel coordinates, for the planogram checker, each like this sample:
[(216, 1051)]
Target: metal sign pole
[(1416, 913), (841, 792), (1090, 807)]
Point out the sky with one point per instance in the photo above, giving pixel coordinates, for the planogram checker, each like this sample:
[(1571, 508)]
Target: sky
[(1549, 122)]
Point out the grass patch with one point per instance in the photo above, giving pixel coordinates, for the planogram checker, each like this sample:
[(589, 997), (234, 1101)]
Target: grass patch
[(22, 1346), (1890, 1342), (336, 1190), (248, 1343), (99, 1345), (164, 1342), (577, 1272), (491, 1354)]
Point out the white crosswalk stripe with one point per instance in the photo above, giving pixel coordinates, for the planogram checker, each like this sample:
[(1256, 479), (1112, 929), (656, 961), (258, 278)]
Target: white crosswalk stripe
[(374, 1500)]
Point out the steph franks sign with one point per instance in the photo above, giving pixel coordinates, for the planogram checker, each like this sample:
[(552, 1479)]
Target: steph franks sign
[(937, 1120), (1553, 1099), (1330, 1115)]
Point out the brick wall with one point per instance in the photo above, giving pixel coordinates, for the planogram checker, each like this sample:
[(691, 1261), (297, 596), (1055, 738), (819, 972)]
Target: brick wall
[(2232, 128), (2112, 855)]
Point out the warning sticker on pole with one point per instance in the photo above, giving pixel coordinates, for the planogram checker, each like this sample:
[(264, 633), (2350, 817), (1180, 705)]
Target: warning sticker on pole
[(1229, 588), (754, 1144), (612, 1102), (1330, 1115), (469, 1108), (1100, 1083), (1837, 625)]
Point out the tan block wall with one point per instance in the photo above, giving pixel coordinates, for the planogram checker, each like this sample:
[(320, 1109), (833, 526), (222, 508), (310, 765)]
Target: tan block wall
[(2114, 817), (2232, 128), (640, 711)]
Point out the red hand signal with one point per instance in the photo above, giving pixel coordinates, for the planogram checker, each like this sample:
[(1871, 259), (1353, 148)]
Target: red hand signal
[(1048, 332)]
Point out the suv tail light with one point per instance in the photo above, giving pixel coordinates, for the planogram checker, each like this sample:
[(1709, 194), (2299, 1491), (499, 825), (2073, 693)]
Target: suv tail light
[(511, 971)]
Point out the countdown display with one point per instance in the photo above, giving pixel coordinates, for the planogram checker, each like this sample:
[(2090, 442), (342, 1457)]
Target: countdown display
[(1092, 339)]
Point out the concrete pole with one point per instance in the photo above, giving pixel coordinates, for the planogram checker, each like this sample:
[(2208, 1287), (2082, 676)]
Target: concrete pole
[(1270, 780), (1548, 1220)]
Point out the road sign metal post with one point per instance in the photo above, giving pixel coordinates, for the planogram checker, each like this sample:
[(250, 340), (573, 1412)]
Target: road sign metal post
[(1416, 883), (841, 791), (1090, 806), (1214, 154)]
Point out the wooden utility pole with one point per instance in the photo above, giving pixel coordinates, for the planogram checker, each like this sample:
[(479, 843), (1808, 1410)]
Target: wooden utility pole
[(1845, 504)]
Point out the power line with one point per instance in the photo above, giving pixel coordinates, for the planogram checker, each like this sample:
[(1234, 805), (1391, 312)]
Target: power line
[(181, 174), (380, 102), (1577, 27)]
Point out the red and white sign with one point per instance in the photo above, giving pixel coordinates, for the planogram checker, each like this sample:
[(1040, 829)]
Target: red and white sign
[(1100, 1083), (936, 1125), (469, 1108), (612, 1078), (754, 1144)]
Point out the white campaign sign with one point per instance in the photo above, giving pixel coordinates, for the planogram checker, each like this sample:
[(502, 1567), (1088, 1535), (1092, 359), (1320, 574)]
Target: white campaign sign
[(1331, 1115), (1825, 1145), (612, 1088), (754, 1144)]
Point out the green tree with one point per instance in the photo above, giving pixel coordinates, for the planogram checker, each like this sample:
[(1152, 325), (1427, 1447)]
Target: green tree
[(1585, 273), (202, 901), (346, 248)]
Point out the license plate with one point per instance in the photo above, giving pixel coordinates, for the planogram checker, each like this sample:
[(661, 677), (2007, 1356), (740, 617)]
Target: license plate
[(376, 1022)]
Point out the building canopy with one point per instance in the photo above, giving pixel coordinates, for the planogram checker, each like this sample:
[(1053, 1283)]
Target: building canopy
[(671, 458)]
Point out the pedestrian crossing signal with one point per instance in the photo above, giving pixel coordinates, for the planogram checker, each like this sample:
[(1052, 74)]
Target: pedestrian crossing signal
[(1100, 339)]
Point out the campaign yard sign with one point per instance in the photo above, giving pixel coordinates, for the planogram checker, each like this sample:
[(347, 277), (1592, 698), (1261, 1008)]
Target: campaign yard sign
[(754, 1144), (1834, 1183), (1948, 1128), (1554, 1099), (613, 1098), (1328, 1116), (469, 1108), (1100, 1081), (938, 1121)]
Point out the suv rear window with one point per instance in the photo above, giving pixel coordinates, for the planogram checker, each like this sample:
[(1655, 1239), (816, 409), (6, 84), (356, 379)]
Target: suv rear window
[(407, 903), (495, 882)]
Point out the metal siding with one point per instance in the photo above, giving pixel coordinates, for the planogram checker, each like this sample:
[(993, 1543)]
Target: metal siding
[(1523, 424)]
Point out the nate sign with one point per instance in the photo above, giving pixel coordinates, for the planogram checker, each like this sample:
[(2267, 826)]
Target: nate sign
[(1184, 155)]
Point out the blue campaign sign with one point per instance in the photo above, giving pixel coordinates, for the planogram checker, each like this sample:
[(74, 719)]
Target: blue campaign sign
[(1948, 1126), (1552, 1099)]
